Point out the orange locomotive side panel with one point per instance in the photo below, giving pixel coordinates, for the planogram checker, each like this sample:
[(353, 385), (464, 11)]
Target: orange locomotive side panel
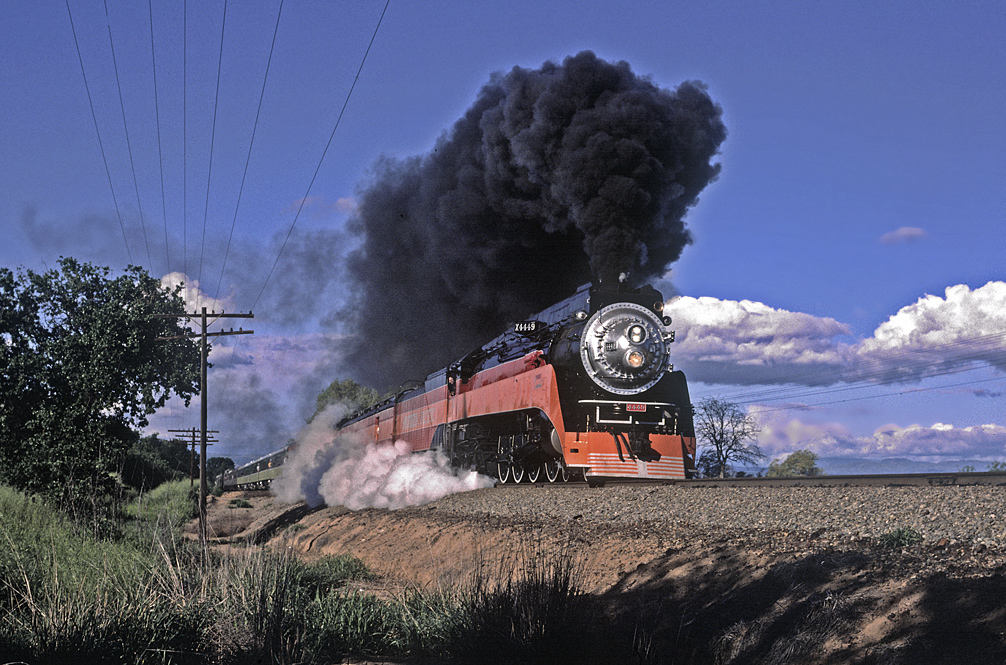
[(417, 418), (520, 384), (412, 420)]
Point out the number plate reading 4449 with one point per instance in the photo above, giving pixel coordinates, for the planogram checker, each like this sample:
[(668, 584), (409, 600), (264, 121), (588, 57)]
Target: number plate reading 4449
[(527, 327)]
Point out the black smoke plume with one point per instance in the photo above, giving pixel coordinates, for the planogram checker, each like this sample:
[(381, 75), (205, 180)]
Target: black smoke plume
[(554, 177)]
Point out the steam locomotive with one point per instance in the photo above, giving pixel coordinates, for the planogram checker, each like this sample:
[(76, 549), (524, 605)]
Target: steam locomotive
[(583, 389)]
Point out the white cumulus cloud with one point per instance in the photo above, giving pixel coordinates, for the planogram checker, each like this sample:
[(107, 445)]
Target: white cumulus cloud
[(746, 343), (194, 297), (780, 437)]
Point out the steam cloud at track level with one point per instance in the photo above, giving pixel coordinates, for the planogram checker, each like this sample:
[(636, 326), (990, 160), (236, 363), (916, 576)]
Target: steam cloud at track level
[(555, 176), (336, 469)]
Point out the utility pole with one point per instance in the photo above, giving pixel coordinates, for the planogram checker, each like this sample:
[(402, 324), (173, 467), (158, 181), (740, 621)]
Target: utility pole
[(203, 335), (191, 432)]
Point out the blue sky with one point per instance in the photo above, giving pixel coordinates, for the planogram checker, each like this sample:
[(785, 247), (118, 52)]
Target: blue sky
[(864, 169)]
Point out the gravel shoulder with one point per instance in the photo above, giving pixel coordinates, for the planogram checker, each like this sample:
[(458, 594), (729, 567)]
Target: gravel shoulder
[(735, 575)]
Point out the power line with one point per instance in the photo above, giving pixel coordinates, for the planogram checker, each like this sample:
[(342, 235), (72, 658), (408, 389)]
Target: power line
[(213, 131), (251, 144), (890, 369), (125, 127), (101, 145), (891, 394), (318, 168), (879, 367), (185, 136), (160, 154), (938, 369), (323, 153)]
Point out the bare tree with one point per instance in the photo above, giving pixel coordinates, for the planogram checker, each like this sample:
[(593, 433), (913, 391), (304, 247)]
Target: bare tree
[(728, 434)]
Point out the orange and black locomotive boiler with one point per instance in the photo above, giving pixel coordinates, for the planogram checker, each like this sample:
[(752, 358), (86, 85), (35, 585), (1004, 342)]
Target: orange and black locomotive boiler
[(584, 388)]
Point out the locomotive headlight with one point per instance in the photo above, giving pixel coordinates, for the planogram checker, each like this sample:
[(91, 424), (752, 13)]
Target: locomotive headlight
[(623, 348)]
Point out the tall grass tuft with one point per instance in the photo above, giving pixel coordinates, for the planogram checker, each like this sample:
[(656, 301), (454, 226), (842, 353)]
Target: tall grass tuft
[(529, 610), (67, 596), (273, 605), (900, 537), (154, 520)]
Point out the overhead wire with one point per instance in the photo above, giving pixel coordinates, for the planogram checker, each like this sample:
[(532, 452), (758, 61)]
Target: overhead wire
[(101, 144), (317, 169), (251, 144), (160, 152), (863, 385), (213, 131), (202, 258), (322, 159), (125, 127), (885, 372), (891, 394), (185, 136), (878, 367), (981, 348)]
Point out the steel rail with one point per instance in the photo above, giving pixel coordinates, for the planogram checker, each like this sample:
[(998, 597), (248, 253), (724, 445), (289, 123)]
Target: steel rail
[(984, 478)]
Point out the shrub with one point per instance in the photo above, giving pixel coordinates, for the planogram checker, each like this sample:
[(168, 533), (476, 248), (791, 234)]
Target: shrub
[(900, 537), (800, 463)]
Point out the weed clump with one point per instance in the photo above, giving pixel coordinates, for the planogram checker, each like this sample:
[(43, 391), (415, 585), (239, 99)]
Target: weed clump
[(900, 537), (530, 610)]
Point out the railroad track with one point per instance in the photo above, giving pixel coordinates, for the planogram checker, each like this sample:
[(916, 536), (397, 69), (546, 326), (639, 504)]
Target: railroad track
[(989, 478)]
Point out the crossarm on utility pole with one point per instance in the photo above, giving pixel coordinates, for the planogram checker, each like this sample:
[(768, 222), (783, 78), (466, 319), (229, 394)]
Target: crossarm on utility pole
[(203, 335)]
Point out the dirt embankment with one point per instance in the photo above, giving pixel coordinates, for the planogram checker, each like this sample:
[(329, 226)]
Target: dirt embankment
[(691, 595)]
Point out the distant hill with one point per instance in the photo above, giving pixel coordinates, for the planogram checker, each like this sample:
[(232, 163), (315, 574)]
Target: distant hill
[(840, 466)]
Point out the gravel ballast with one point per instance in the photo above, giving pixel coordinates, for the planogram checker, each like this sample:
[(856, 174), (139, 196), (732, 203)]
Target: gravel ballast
[(941, 515)]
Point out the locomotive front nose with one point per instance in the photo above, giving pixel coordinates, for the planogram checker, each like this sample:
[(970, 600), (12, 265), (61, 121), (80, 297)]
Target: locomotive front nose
[(624, 348)]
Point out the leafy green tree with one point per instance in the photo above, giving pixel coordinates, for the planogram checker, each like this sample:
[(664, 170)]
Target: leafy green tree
[(800, 463), (82, 369), (217, 465), (152, 460), (728, 434), (346, 391)]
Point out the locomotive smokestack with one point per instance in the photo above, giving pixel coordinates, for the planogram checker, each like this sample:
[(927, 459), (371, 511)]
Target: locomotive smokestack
[(555, 176)]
